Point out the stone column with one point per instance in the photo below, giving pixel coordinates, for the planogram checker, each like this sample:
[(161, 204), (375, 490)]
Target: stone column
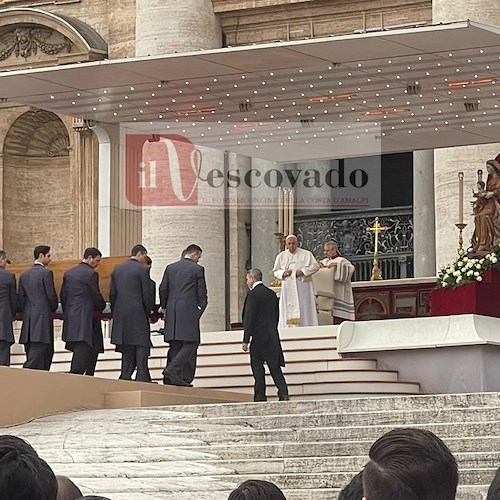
[(303, 194), (424, 233), (449, 161), (265, 246), (162, 27)]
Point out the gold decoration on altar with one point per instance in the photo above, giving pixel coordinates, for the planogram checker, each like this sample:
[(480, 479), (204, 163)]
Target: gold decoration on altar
[(376, 229)]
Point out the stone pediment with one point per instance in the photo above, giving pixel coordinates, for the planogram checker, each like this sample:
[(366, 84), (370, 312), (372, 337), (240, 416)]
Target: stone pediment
[(34, 38)]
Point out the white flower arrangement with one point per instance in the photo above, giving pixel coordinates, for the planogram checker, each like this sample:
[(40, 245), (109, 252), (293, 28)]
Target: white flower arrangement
[(466, 269)]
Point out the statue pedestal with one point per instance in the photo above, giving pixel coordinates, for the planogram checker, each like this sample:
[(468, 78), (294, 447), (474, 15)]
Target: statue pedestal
[(474, 298)]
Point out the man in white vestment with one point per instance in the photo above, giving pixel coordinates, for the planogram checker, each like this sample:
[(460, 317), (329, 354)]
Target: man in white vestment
[(343, 304), (294, 267)]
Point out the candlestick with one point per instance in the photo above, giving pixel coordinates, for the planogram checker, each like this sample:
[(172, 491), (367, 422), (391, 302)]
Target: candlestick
[(460, 197), (280, 210), (285, 212), (291, 207)]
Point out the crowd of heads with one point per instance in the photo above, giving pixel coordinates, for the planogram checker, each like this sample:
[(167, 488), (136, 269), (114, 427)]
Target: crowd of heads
[(408, 463)]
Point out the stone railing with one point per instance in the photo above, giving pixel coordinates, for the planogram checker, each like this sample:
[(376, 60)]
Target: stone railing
[(356, 244)]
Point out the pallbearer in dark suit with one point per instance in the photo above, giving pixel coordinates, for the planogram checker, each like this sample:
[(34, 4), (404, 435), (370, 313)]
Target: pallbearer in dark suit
[(38, 300), (131, 302), (8, 308), (80, 297), (183, 296), (260, 324)]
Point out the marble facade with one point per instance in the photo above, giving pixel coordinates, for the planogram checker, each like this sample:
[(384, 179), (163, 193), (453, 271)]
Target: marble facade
[(80, 165)]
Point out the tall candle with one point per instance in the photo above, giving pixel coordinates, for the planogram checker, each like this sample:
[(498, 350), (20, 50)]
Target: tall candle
[(292, 203), (460, 197), (286, 227), (280, 210)]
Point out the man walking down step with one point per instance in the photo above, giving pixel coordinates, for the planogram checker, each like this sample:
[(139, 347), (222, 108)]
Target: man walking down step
[(80, 297), (260, 324), (38, 300)]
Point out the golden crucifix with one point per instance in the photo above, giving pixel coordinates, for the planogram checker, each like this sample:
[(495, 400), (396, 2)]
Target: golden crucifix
[(376, 229)]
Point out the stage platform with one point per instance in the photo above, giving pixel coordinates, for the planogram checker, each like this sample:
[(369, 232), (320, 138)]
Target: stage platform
[(29, 394)]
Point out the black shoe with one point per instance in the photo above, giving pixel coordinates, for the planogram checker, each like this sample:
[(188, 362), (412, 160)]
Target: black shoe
[(171, 379), (285, 398)]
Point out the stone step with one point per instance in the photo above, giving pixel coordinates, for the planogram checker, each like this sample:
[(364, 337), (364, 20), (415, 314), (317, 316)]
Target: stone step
[(464, 449), (351, 405), (340, 387), (182, 481), (218, 434), (399, 418), (231, 380)]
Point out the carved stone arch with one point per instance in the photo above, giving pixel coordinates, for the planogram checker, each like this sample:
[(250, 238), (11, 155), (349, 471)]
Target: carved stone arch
[(33, 38), (37, 133), (38, 193)]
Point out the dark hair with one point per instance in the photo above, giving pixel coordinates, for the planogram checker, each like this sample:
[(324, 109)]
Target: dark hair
[(3, 254), (192, 249), (92, 252), (354, 490), (41, 249), (23, 474), (67, 489), (138, 249), (494, 489), (413, 464), (256, 489), (93, 497)]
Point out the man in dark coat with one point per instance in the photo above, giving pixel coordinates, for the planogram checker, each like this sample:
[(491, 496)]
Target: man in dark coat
[(80, 297), (131, 302), (8, 308), (183, 296), (260, 324), (38, 300)]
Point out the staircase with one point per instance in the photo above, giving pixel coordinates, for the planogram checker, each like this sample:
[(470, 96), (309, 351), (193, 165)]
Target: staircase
[(309, 448), (314, 370)]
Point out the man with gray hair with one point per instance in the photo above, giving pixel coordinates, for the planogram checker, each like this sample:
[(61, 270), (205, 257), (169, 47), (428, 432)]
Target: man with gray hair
[(260, 324)]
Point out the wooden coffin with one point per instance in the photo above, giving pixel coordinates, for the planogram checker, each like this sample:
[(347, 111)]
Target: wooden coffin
[(105, 268)]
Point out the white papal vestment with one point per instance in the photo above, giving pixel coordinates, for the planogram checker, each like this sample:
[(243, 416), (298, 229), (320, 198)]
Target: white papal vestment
[(343, 304), (297, 302)]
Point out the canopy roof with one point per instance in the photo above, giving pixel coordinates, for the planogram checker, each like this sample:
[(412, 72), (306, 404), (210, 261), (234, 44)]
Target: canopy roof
[(381, 92)]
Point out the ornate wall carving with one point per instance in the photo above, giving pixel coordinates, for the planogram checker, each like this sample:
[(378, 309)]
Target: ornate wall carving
[(26, 41)]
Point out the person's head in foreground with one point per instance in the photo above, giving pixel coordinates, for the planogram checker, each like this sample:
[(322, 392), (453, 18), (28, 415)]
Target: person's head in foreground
[(354, 490), (494, 489), (410, 464), (67, 489), (23, 474), (257, 490)]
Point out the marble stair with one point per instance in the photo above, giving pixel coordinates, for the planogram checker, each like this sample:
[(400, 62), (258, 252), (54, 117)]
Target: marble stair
[(309, 448), (314, 369)]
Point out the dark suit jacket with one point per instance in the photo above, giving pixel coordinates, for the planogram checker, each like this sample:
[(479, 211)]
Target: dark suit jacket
[(80, 297), (183, 295), (131, 302), (8, 305), (38, 300), (260, 324)]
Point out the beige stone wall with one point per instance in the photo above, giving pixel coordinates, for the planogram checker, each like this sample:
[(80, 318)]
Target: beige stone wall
[(246, 22), (449, 161)]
